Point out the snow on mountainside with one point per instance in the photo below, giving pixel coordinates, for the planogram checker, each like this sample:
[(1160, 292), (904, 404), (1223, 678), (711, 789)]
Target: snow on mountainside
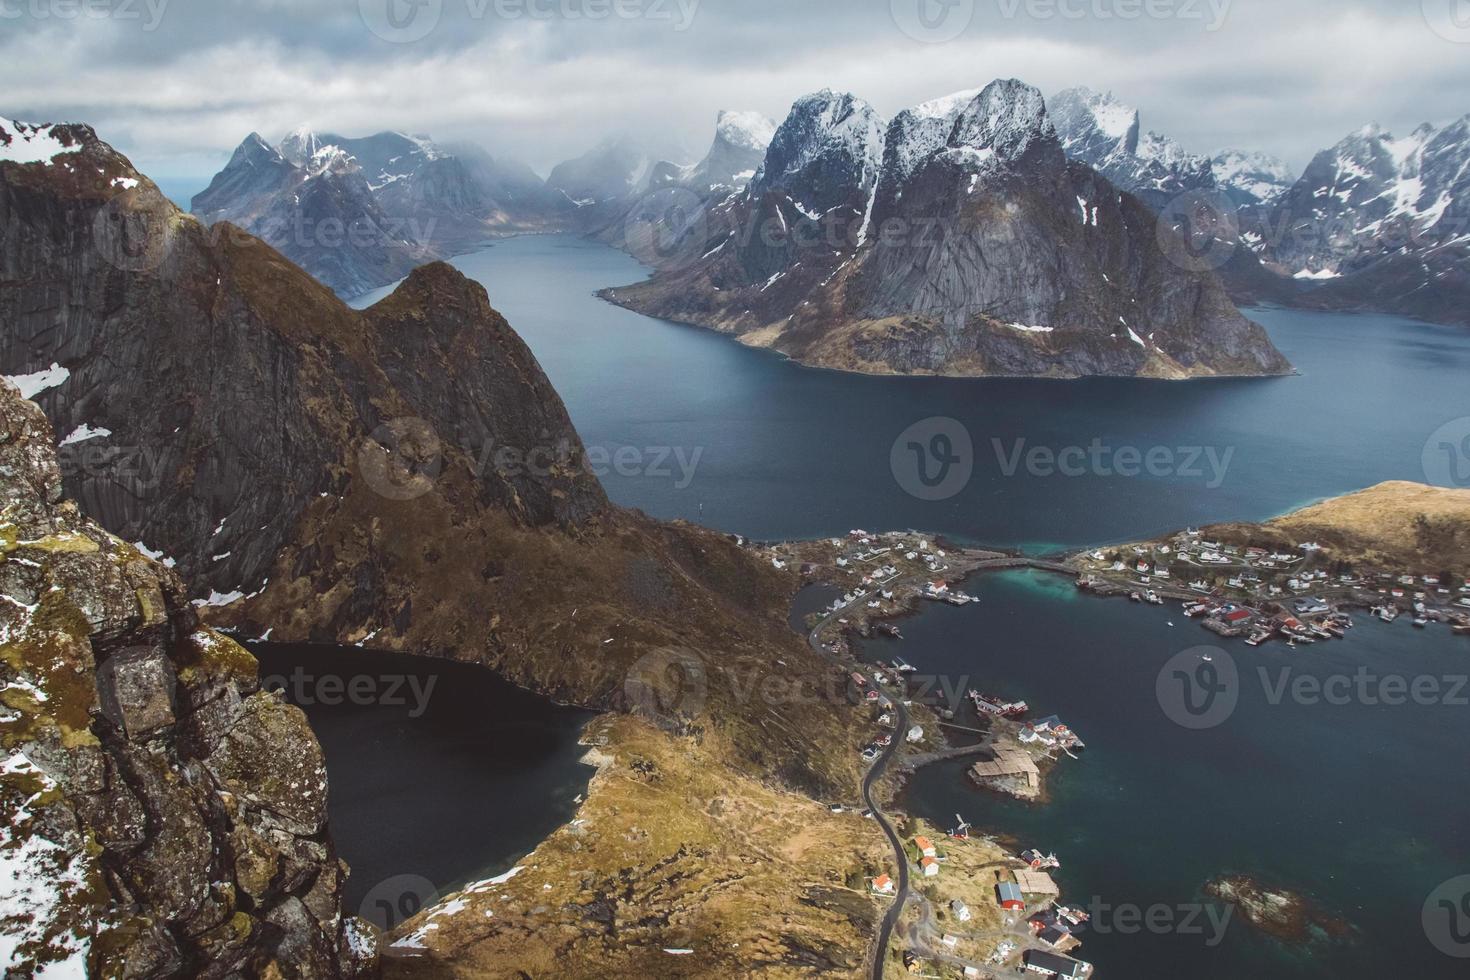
[(1104, 133), (1378, 222), (745, 128), (739, 146), (24, 143), (916, 133), (829, 147), (1250, 179), (956, 240), (1372, 194)]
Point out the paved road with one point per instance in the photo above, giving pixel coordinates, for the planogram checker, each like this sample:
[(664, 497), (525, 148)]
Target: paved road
[(880, 766), (890, 919)]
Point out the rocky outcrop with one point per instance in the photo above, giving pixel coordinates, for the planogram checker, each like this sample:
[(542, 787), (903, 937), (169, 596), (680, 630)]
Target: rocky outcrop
[(961, 241), (160, 815), (1281, 913)]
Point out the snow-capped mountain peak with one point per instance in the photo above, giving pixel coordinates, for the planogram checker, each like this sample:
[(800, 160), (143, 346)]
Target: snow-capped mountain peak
[(300, 145), (830, 145), (745, 129), (26, 143), (1093, 124), (1106, 134), (917, 134), (1008, 117)]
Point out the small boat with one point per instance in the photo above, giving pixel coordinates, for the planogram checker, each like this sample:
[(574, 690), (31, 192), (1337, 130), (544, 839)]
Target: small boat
[(1421, 622), (1207, 658), (1152, 598), (1135, 597), (1171, 624)]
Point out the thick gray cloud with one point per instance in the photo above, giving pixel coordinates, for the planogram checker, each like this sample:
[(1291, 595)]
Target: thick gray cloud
[(177, 83)]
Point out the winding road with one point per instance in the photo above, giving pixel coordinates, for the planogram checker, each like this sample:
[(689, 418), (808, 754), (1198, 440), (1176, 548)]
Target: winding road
[(875, 772)]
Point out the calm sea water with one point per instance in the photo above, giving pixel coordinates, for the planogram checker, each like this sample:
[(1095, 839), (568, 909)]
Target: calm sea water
[(1362, 807), (786, 451), (431, 764)]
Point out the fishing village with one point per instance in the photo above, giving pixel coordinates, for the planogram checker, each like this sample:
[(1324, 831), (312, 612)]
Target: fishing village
[(1296, 597), (976, 909)]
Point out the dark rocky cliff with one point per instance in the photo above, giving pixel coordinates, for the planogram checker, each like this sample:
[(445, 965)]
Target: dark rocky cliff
[(160, 815), (404, 475)]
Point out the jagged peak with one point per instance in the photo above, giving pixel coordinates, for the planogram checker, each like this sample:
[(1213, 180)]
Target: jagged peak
[(1008, 117), (821, 124)]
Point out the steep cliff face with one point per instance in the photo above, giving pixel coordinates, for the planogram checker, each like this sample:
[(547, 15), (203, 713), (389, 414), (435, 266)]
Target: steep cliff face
[(230, 386), (404, 475), (160, 816), (975, 248)]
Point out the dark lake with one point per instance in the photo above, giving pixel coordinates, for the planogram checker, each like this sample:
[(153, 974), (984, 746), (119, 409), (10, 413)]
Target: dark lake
[(440, 773)]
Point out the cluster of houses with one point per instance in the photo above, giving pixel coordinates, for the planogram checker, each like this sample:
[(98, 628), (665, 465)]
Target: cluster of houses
[(1051, 733)]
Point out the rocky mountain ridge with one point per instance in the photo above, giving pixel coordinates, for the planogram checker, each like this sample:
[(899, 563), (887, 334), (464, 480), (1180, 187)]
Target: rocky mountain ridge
[(404, 473), (1376, 222), (359, 213), (957, 239)]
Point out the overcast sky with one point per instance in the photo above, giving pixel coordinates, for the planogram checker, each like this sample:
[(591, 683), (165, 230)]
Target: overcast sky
[(176, 84)]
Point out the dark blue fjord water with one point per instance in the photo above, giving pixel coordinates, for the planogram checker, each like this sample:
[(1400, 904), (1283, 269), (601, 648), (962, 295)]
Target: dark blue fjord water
[(784, 451), (1363, 807)]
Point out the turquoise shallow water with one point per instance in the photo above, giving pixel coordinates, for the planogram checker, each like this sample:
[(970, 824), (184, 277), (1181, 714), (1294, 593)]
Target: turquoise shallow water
[(1363, 807)]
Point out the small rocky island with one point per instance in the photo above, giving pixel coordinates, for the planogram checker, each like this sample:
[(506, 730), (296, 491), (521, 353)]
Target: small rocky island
[(1278, 912)]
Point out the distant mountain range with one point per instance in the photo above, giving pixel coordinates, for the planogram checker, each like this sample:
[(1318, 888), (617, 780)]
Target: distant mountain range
[(1374, 223), (361, 213)]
